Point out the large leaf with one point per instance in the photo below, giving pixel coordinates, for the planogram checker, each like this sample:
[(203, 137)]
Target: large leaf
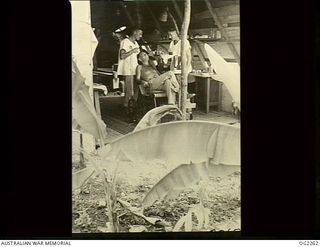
[(188, 223), (202, 215), (79, 177), (153, 116), (83, 111), (177, 143), (186, 176)]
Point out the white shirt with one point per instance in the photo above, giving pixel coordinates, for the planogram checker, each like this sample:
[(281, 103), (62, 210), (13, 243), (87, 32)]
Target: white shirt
[(176, 50), (128, 65)]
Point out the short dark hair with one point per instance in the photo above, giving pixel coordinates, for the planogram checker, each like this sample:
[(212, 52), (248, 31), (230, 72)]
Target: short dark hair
[(141, 50)]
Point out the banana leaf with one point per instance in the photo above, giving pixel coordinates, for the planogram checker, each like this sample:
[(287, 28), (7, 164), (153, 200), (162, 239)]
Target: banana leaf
[(153, 116), (186, 176), (83, 111), (179, 142), (79, 177)]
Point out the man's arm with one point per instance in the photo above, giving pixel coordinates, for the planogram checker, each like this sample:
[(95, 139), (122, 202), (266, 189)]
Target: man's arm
[(126, 49), (124, 54)]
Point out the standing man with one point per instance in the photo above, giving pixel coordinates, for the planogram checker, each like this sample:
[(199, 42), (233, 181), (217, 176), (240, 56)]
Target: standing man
[(128, 62), (175, 50)]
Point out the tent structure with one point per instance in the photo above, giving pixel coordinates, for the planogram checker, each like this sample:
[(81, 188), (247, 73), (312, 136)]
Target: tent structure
[(214, 22), (219, 13), (228, 73), (84, 41)]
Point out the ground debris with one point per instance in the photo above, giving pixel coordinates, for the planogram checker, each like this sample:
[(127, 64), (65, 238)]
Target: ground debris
[(102, 203), (90, 210)]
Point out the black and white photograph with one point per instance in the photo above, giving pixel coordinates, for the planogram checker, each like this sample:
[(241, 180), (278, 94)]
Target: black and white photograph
[(156, 116)]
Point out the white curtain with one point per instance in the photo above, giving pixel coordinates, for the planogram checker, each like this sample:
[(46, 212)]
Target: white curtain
[(84, 44), (84, 41)]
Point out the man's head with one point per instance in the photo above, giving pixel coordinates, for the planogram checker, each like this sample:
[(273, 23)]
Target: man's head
[(143, 57), (136, 33), (173, 35)]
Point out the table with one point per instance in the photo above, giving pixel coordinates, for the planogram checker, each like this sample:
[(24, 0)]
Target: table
[(208, 77), (103, 71)]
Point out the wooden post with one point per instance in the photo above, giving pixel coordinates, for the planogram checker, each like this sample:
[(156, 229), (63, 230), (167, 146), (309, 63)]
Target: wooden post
[(222, 30), (81, 163), (184, 67)]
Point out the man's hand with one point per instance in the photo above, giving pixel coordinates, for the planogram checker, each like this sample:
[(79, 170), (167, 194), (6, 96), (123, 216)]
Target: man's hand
[(124, 54), (135, 50), (144, 83)]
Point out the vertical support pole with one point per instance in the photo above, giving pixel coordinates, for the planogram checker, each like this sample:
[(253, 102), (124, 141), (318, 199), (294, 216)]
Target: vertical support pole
[(184, 75), (178, 76), (96, 98), (220, 95), (207, 94), (82, 165)]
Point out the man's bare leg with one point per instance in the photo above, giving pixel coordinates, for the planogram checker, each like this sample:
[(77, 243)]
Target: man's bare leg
[(159, 81), (128, 89), (171, 94)]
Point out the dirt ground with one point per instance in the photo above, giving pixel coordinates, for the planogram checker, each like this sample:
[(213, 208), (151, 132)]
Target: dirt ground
[(133, 183)]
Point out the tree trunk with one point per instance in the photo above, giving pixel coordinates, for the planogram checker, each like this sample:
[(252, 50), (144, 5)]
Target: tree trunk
[(184, 68)]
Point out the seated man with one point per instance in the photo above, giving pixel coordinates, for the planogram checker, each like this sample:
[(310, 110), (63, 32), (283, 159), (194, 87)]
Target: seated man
[(148, 75)]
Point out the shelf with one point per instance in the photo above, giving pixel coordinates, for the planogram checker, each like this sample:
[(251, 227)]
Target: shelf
[(103, 71), (196, 39), (207, 39), (160, 41)]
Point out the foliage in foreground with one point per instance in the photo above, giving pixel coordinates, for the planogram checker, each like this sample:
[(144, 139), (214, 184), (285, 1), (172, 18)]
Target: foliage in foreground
[(185, 176)]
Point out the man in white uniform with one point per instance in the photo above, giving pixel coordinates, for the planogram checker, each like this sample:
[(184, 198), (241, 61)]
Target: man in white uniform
[(127, 64), (175, 50)]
